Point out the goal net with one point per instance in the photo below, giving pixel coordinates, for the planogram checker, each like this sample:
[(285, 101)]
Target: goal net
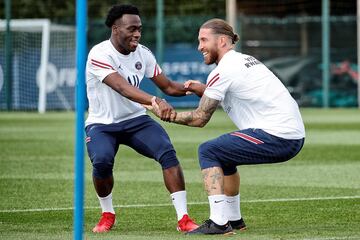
[(43, 72)]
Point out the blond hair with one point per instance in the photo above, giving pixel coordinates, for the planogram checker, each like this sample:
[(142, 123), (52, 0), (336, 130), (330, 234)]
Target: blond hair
[(219, 26)]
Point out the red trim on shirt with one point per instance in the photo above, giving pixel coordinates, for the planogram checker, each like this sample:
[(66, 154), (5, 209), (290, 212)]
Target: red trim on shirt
[(98, 65), (156, 70), (247, 137), (213, 80), (101, 64)]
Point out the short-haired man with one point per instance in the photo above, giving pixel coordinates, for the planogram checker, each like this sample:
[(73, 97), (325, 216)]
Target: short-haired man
[(270, 126), (114, 71)]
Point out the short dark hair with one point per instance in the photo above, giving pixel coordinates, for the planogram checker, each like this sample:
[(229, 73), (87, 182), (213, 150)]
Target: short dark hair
[(117, 11)]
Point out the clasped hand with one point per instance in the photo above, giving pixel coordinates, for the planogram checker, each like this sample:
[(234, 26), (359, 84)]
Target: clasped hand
[(162, 109)]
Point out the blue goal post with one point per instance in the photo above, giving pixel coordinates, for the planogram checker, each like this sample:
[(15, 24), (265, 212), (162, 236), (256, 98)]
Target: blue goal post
[(81, 25)]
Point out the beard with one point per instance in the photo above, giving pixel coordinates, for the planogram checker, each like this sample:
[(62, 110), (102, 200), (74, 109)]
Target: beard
[(211, 57)]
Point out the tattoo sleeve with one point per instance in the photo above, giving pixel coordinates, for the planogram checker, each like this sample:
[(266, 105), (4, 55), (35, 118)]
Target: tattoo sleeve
[(199, 117)]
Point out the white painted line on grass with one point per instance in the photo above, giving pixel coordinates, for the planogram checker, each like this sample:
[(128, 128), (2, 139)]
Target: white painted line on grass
[(301, 199), (190, 203), (331, 238)]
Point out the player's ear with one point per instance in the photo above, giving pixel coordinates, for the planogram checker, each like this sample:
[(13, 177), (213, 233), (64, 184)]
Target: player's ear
[(222, 40), (113, 29)]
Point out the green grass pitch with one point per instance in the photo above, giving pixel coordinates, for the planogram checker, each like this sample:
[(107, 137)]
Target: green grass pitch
[(316, 195)]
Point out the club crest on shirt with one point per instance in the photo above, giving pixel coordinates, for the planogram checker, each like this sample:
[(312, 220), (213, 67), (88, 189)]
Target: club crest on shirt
[(138, 65)]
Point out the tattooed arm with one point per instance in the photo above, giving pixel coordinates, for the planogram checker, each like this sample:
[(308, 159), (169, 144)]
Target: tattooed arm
[(199, 117)]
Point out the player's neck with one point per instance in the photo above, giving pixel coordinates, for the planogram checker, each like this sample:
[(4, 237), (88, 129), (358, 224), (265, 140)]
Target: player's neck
[(222, 52), (119, 48)]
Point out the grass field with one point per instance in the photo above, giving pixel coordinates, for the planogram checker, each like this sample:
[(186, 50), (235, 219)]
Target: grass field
[(313, 196)]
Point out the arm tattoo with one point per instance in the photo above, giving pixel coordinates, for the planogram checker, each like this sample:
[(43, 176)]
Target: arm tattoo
[(199, 117)]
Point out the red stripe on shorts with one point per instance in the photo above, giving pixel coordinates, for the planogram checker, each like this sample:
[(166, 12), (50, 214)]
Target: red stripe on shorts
[(247, 137)]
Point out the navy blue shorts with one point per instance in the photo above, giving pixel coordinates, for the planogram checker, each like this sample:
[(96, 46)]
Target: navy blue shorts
[(245, 147), (142, 134)]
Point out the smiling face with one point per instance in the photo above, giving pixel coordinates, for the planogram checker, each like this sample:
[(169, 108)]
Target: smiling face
[(208, 45), (126, 33)]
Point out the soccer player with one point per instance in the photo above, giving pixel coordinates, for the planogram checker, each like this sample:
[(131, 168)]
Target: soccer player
[(270, 126), (114, 71)]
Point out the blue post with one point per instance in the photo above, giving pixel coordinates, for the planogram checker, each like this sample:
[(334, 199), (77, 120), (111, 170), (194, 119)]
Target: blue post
[(81, 25), (8, 56), (325, 52)]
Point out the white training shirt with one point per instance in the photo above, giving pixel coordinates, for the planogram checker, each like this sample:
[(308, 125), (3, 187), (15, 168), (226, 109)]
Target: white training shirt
[(105, 104), (254, 97)]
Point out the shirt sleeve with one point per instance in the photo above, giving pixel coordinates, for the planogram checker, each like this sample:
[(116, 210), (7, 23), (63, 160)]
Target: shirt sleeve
[(100, 65), (152, 68), (217, 85)]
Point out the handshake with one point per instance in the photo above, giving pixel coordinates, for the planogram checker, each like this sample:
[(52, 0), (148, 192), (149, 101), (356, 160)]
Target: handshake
[(163, 110)]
